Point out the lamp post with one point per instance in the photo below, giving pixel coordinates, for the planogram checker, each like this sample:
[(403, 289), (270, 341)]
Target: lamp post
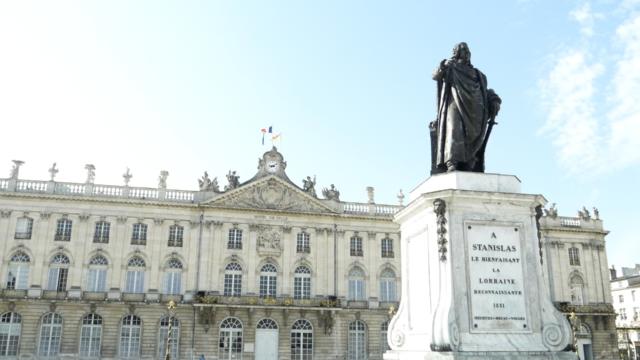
[(171, 306), (574, 321)]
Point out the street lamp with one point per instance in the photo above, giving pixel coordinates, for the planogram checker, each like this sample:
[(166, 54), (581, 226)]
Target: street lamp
[(171, 306)]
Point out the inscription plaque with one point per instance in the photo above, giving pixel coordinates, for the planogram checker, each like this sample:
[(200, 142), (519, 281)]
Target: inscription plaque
[(496, 281)]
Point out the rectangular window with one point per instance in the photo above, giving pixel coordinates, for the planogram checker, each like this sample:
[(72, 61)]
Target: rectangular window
[(235, 239), (302, 287), (18, 277), (574, 256), (386, 248), (303, 245), (356, 289), (63, 230), (139, 234), (135, 282), (621, 298), (623, 314), (356, 246), (175, 235), (633, 295), (172, 282), (101, 234), (97, 280), (58, 279), (24, 227), (232, 284), (387, 290), (268, 285)]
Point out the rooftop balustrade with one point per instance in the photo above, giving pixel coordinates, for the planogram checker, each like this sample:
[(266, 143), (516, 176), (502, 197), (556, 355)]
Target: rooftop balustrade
[(100, 191)]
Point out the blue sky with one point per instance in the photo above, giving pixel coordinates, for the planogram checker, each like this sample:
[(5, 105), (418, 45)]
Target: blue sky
[(186, 86)]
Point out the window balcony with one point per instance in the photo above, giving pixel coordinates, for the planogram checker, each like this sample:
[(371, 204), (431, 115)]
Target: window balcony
[(171, 297), (208, 298), (14, 294), (54, 295), (62, 237), (303, 249), (22, 236), (133, 297), (94, 295)]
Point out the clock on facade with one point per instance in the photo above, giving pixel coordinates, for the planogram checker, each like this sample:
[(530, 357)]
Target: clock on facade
[(272, 166)]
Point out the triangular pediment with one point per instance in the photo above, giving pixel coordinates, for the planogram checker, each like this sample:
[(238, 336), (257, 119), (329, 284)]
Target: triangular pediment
[(270, 193)]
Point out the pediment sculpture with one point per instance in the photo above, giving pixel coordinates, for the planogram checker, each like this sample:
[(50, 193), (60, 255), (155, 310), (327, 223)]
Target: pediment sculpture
[(271, 194)]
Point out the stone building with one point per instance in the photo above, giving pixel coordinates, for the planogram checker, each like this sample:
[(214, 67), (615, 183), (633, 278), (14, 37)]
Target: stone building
[(625, 290), (575, 261), (261, 269)]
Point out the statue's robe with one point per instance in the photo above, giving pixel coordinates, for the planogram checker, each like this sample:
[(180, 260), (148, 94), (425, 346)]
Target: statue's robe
[(463, 114)]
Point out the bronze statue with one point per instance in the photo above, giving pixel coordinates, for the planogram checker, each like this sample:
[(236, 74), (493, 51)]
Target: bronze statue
[(466, 115)]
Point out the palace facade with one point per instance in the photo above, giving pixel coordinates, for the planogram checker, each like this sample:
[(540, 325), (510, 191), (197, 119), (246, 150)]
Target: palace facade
[(262, 269), (575, 263)]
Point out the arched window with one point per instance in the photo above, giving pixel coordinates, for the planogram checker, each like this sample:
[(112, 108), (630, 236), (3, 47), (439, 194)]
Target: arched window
[(230, 342), (18, 274), (164, 337), (577, 290), (97, 275), (388, 285), (302, 283), (58, 273), (175, 235), (90, 336), (268, 324), (130, 334), (10, 328), (384, 344), (101, 234), (235, 239), (173, 277), (357, 344), (268, 280), (24, 227), (356, 284), (63, 230), (50, 335), (233, 279), (139, 234), (303, 243), (135, 275), (301, 340)]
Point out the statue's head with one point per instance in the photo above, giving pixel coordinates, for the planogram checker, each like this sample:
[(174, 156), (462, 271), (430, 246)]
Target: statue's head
[(461, 52)]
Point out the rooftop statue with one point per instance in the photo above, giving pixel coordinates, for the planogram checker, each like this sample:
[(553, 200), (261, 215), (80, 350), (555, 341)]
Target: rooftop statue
[(466, 115), (332, 193), (309, 185), (233, 179), (206, 184)]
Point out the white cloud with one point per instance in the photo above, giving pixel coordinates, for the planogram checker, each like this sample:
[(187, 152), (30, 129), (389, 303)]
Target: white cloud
[(594, 129), (586, 18), (624, 114), (568, 92)]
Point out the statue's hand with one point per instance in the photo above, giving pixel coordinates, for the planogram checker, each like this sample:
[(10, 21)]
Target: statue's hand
[(494, 108)]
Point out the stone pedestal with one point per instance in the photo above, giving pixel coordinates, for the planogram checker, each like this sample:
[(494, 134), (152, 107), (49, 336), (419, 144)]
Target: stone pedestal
[(472, 281)]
